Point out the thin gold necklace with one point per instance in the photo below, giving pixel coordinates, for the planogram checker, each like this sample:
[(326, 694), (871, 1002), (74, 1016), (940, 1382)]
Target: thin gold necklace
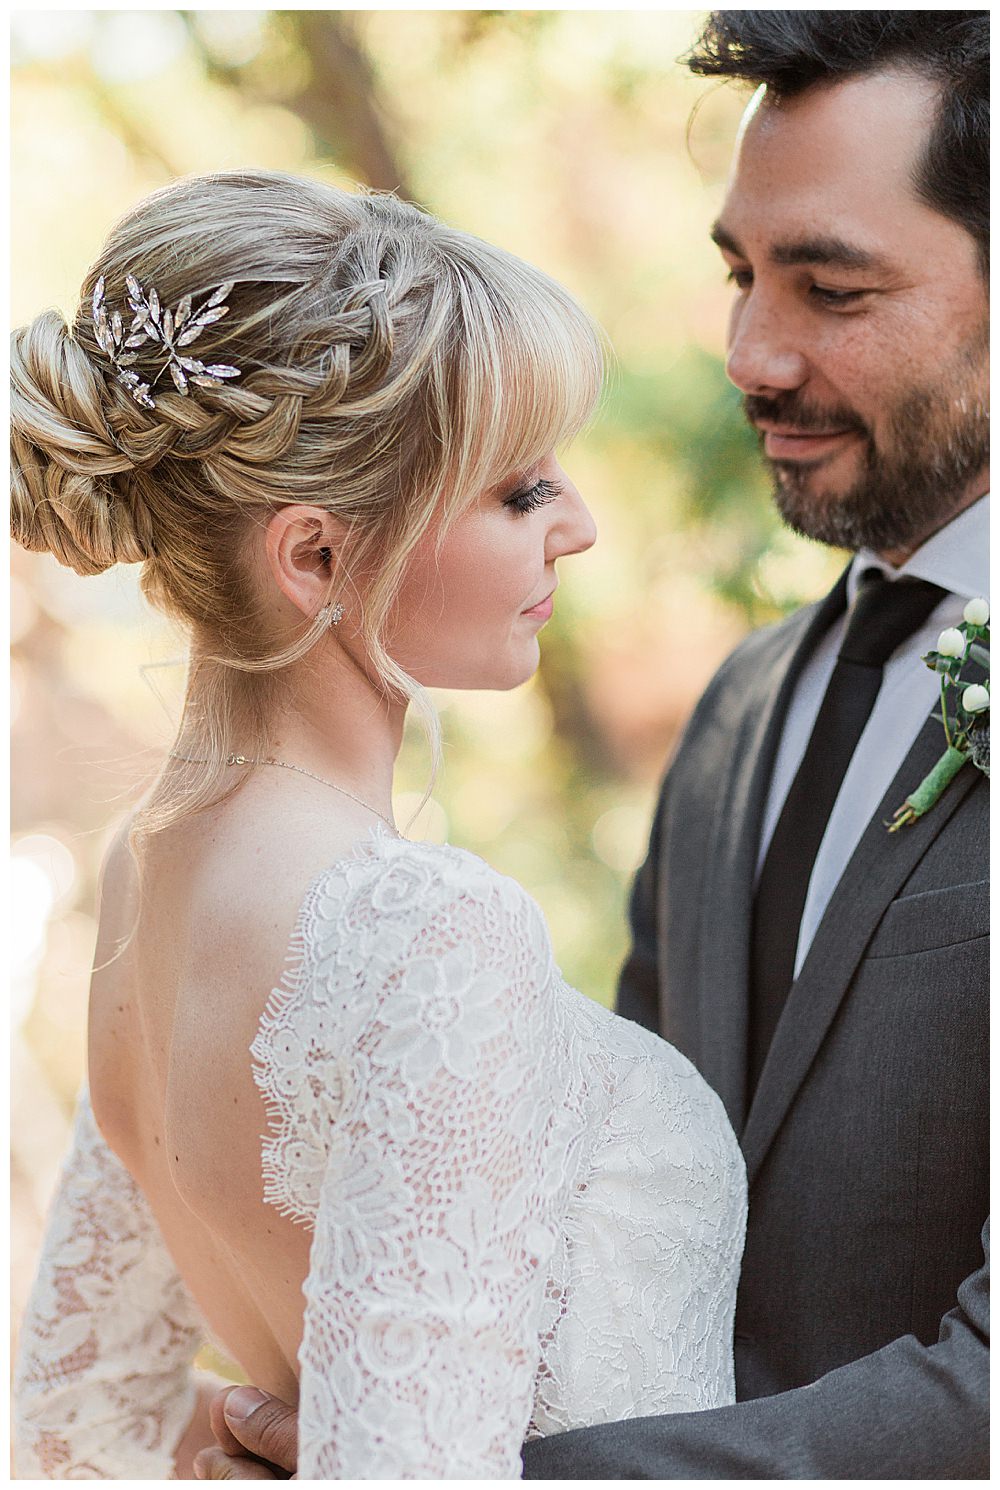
[(246, 760)]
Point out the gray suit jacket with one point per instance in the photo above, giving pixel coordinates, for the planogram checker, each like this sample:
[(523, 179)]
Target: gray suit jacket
[(862, 1316)]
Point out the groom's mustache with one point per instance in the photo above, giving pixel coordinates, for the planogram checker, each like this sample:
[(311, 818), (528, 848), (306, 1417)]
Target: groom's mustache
[(789, 411)]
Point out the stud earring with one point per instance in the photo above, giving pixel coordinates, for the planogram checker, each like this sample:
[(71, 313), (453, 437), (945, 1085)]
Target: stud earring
[(334, 614)]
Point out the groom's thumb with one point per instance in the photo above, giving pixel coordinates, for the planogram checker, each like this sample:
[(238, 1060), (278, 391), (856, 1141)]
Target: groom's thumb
[(264, 1425)]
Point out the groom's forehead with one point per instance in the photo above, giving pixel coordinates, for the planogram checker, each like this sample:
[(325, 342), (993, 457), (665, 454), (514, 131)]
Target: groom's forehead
[(827, 175), (880, 118)]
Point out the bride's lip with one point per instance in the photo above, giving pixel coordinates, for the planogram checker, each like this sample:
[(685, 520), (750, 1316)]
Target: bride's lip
[(798, 444), (543, 609)]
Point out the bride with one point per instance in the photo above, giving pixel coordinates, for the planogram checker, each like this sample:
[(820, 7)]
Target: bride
[(344, 1117)]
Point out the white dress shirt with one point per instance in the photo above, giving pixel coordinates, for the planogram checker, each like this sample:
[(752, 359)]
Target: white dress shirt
[(957, 559)]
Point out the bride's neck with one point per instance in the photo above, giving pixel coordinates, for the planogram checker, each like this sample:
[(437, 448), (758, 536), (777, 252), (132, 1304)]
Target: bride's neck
[(339, 725), (328, 718)]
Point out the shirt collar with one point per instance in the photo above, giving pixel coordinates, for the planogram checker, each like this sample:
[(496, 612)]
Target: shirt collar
[(956, 557)]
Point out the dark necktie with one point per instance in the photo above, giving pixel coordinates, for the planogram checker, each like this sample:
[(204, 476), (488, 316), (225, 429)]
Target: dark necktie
[(884, 614)]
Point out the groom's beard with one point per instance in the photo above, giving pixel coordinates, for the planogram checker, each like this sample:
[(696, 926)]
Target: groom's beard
[(912, 480)]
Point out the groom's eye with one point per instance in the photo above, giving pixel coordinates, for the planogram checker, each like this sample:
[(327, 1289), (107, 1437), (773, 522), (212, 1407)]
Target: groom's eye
[(741, 278), (836, 298)]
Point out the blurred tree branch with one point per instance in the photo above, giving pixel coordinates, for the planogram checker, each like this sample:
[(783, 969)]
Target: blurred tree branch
[(135, 139), (75, 75), (337, 99)]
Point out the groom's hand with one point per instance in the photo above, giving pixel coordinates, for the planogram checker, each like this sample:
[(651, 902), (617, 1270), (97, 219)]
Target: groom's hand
[(257, 1438)]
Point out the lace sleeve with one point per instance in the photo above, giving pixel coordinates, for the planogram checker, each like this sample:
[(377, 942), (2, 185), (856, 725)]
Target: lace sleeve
[(423, 1097), (103, 1386)]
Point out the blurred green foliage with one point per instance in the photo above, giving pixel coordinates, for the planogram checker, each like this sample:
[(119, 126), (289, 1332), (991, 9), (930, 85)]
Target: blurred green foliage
[(566, 136)]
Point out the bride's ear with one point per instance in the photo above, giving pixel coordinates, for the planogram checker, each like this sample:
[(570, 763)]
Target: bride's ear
[(303, 550)]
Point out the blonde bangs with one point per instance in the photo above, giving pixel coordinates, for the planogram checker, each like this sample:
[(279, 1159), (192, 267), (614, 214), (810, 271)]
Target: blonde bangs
[(527, 373)]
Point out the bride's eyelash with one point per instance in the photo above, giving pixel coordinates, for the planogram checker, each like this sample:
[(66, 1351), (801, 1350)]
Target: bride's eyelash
[(534, 497)]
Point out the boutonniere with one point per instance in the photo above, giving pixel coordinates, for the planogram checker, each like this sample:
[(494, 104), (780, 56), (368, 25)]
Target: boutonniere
[(965, 710)]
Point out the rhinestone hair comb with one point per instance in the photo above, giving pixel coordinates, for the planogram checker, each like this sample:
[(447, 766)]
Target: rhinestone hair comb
[(170, 330)]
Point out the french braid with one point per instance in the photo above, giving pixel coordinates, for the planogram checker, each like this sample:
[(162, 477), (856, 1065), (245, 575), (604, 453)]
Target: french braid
[(390, 369)]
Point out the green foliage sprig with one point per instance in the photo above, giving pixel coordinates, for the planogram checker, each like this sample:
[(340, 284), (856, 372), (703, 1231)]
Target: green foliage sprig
[(964, 713)]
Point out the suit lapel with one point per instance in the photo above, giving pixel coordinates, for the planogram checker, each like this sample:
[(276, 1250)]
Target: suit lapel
[(879, 867), (732, 842)]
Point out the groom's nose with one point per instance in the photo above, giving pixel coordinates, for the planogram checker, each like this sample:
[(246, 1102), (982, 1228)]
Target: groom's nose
[(763, 352)]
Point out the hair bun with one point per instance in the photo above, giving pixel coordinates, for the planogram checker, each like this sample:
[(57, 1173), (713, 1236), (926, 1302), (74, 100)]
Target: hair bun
[(70, 494)]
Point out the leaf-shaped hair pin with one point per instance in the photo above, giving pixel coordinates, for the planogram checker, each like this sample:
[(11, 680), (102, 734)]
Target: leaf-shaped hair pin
[(168, 329)]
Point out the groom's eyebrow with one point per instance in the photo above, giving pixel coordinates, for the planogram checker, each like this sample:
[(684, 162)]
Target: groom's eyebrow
[(828, 251), (822, 249)]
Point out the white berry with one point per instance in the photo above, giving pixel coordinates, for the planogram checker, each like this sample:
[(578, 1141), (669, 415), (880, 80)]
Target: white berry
[(975, 699), (951, 642), (977, 612)]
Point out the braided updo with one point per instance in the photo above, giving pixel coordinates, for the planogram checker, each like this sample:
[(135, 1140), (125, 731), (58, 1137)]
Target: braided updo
[(64, 498), (391, 369)]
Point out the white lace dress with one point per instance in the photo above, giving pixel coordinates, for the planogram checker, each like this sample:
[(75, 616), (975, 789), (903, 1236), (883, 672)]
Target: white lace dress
[(527, 1214)]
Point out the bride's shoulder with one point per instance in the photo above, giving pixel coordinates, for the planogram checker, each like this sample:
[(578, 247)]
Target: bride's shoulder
[(413, 966), (396, 878), (393, 907)]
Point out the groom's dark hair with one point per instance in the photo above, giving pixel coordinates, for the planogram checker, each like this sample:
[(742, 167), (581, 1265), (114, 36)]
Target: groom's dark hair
[(790, 50)]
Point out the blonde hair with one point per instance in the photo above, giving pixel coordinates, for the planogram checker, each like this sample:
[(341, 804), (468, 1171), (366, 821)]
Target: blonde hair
[(392, 368)]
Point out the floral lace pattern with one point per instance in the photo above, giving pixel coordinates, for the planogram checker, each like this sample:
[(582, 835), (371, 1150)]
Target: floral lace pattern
[(432, 1151), (528, 1214), (103, 1387)]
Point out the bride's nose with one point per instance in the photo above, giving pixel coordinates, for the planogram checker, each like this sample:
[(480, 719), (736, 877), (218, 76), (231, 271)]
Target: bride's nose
[(573, 530)]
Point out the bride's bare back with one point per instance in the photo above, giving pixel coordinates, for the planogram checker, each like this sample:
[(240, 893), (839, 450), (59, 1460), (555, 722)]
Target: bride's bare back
[(171, 1022), (344, 524)]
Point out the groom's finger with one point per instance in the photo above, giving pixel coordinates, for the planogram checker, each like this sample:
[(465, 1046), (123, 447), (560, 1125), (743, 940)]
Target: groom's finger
[(213, 1464), (259, 1424), (218, 1424)]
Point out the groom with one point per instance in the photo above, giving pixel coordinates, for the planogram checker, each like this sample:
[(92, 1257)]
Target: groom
[(827, 977)]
